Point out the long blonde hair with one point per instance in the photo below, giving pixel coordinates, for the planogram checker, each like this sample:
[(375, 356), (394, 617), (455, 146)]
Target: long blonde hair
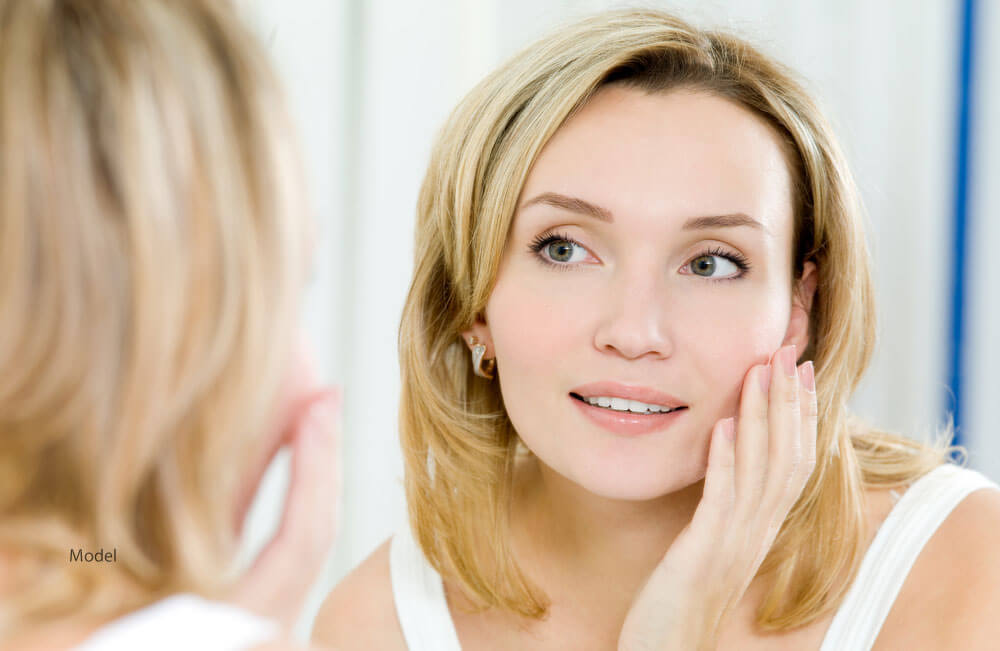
[(151, 245), (459, 445)]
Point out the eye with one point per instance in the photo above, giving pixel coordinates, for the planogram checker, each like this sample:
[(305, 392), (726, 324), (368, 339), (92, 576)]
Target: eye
[(565, 251), (559, 250), (718, 265)]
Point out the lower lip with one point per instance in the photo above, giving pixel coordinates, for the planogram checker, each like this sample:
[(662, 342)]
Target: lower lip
[(626, 422)]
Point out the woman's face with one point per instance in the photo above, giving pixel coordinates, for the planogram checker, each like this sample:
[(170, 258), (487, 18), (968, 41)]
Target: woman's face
[(649, 259)]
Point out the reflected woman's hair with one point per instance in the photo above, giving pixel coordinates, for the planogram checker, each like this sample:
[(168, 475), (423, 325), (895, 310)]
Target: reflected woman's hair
[(458, 442), (152, 239)]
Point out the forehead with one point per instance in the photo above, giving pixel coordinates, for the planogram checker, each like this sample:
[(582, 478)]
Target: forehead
[(668, 156)]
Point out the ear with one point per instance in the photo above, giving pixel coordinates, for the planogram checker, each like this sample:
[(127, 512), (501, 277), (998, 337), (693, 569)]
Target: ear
[(480, 333), (802, 299)]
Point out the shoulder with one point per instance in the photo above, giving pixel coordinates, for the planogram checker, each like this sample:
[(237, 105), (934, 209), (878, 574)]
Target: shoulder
[(952, 594), (360, 612), (965, 562)]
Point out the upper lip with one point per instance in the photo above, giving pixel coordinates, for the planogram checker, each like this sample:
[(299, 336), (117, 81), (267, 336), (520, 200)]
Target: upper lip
[(629, 392)]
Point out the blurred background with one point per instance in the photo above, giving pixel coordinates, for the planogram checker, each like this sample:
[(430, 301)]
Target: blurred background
[(911, 86)]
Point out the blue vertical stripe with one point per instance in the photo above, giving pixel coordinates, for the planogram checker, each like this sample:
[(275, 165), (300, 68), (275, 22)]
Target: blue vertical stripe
[(961, 218)]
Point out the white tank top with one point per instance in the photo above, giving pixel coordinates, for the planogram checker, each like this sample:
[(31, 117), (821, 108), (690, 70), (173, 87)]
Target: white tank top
[(427, 625), (182, 622)]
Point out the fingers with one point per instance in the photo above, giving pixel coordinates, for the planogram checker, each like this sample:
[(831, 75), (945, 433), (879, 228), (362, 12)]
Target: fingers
[(775, 445), (299, 386), (310, 507), (801, 460), (810, 419), (719, 492), (309, 518), (784, 421), (752, 438)]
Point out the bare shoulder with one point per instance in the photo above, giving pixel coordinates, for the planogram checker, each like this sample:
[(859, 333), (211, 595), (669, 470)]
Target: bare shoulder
[(966, 562), (952, 594), (360, 612)]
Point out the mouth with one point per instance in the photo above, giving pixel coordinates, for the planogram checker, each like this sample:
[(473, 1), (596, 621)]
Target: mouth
[(626, 405)]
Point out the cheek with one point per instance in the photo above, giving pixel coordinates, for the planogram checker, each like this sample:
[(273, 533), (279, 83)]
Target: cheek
[(529, 327), (747, 333), (540, 333)]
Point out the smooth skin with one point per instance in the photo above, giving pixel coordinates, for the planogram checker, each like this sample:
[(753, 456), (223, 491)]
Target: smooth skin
[(653, 541)]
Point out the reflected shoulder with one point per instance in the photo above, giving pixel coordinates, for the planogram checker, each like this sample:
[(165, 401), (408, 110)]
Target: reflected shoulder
[(360, 612)]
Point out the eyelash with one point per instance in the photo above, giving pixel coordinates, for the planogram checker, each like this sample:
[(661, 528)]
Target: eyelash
[(543, 240)]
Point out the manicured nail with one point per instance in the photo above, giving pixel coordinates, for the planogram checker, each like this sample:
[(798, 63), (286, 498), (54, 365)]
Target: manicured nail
[(808, 377), (764, 376), (787, 360), (729, 428)]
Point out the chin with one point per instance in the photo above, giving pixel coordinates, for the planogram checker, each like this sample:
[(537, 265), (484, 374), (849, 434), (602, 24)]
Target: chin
[(635, 483)]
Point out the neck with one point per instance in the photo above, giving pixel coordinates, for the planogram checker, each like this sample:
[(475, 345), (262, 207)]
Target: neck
[(584, 537)]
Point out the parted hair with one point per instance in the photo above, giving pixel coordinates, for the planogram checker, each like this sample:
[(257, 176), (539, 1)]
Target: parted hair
[(151, 239), (458, 443)]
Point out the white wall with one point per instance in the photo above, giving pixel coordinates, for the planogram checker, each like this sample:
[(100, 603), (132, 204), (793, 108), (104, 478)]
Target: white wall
[(371, 82)]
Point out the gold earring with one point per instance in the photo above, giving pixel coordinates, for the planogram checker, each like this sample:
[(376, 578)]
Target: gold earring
[(481, 367)]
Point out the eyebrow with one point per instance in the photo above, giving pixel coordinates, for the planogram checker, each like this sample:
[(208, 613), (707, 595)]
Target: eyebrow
[(582, 207)]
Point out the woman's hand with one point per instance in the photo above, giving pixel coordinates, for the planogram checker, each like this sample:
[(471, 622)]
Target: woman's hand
[(751, 484), (279, 580)]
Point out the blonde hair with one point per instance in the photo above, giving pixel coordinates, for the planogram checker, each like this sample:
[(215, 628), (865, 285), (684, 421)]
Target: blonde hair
[(459, 446), (151, 244)]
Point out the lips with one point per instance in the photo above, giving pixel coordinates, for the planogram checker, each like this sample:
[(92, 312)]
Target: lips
[(644, 394), (627, 423)]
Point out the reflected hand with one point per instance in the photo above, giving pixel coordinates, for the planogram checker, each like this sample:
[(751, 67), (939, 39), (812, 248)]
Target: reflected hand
[(279, 580)]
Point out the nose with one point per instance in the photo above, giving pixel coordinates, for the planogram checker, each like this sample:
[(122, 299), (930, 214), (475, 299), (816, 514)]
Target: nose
[(634, 322)]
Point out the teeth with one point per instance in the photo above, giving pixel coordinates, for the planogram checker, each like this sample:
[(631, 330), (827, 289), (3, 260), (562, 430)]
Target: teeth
[(623, 404)]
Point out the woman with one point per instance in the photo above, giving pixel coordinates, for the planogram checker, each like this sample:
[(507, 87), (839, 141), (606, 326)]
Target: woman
[(153, 247), (630, 234)]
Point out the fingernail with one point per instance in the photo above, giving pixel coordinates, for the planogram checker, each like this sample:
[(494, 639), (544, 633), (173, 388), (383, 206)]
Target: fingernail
[(764, 376), (808, 377), (729, 427), (787, 360)]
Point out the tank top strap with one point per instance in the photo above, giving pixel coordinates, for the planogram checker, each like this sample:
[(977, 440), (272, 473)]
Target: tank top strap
[(418, 592), (894, 550)]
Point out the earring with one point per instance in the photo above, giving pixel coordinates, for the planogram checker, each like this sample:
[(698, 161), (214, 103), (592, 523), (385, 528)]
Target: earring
[(481, 367)]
